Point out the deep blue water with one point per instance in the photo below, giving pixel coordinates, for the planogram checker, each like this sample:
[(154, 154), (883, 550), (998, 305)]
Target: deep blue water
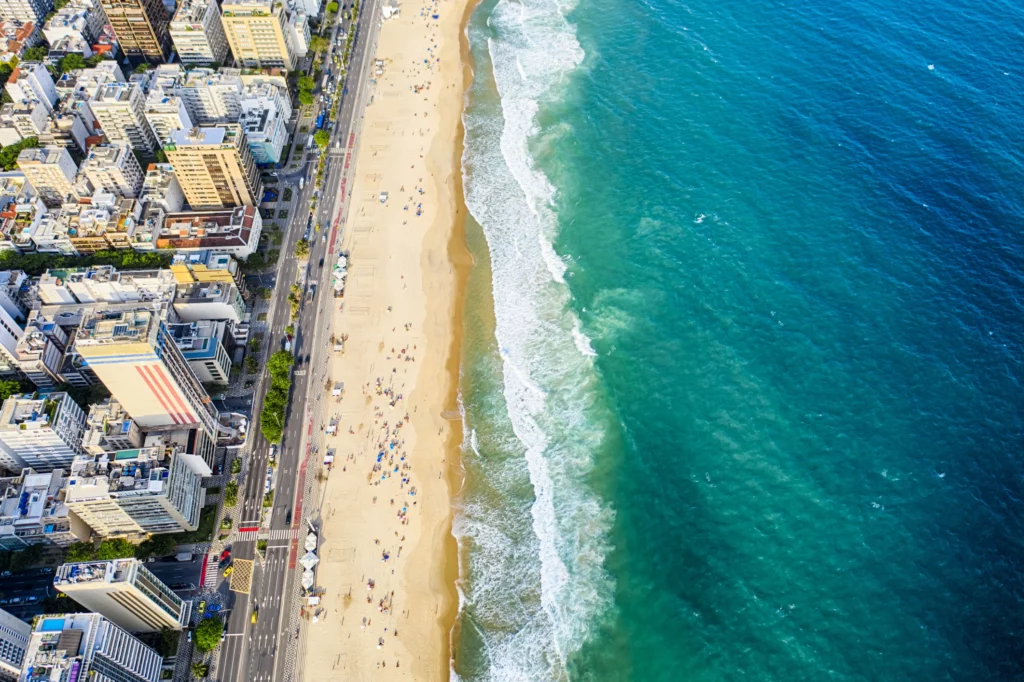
[(743, 372)]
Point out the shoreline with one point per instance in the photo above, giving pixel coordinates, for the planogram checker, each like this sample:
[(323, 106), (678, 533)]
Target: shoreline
[(462, 263), (399, 429)]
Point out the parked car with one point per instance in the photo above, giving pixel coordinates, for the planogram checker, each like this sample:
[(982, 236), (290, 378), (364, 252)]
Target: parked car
[(5, 573), (225, 554)]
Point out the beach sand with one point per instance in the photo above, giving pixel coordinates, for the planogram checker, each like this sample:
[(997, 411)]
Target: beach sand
[(390, 522)]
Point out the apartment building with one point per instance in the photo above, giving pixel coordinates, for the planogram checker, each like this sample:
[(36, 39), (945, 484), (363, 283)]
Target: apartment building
[(67, 126), (212, 97), (201, 343), (44, 433), (266, 109), (215, 167), (161, 187), (25, 10), (135, 357), (125, 592), (12, 316), (40, 352), (14, 636), (166, 113), (198, 33), (31, 82), (120, 111), (80, 18), (51, 171), (257, 31), (21, 120), (32, 513), (112, 169), (235, 231), (207, 293), (153, 489), (141, 27), (86, 646), (109, 428)]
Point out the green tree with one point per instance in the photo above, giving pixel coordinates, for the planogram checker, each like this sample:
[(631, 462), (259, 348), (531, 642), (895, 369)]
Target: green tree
[(236, 468), (115, 548), (5, 72), (332, 7), (8, 388), (69, 62), (318, 44), (35, 54), (302, 249), (158, 545), (141, 68), (231, 490), (26, 558), (94, 60), (322, 138), (168, 645), (200, 670), (9, 157), (280, 363), (80, 551), (208, 633), (305, 97), (306, 83)]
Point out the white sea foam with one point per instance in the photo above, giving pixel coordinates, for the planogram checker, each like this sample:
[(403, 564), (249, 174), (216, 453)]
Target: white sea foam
[(582, 341), (534, 598)]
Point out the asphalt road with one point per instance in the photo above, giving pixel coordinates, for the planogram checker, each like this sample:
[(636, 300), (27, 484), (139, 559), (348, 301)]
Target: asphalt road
[(251, 652), (174, 573)]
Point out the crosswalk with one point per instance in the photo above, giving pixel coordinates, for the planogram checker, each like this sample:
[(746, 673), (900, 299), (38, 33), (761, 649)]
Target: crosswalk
[(210, 580), (252, 535)]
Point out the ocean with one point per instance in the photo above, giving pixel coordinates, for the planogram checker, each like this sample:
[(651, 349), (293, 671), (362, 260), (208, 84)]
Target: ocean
[(742, 372)]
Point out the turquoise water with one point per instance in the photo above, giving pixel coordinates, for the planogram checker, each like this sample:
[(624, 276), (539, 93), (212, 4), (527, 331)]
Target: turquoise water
[(742, 375)]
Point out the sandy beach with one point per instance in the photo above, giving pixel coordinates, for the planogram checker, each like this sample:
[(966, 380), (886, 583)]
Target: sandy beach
[(388, 559)]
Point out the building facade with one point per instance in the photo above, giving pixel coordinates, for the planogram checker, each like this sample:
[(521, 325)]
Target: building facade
[(43, 433), (86, 646), (51, 171), (120, 111), (141, 27), (133, 492), (125, 592), (113, 169), (32, 513), (14, 636), (258, 33), (198, 33), (215, 167)]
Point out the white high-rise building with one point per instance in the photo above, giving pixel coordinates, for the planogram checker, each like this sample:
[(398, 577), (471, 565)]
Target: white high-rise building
[(31, 82), (124, 591), (134, 492), (43, 433), (25, 10), (32, 513), (86, 646), (14, 636), (51, 171), (166, 113), (114, 169), (212, 97), (198, 33), (120, 110)]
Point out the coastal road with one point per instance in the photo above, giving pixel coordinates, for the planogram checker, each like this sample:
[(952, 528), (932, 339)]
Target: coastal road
[(267, 650)]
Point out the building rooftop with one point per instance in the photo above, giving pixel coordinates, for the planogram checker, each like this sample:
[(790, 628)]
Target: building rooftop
[(116, 571), (114, 327), (60, 646), (104, 155), (31, 497), (201, 136), (208, 229), (125, 472), (41, 155), (27, 413)]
